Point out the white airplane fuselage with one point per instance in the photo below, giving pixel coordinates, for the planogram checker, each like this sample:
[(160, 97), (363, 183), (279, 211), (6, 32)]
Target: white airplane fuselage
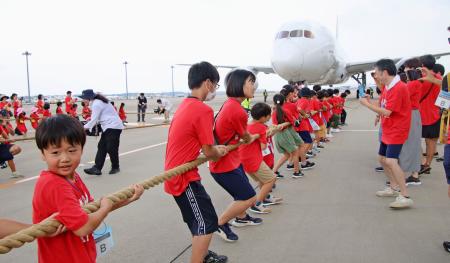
[(307, 51)]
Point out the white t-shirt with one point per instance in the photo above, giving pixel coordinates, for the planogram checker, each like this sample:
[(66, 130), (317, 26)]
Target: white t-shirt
[(106, 115), (166, 104)]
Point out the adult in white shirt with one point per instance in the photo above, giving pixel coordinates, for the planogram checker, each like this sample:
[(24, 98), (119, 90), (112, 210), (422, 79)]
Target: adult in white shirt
[(164, 106), (103, 113)]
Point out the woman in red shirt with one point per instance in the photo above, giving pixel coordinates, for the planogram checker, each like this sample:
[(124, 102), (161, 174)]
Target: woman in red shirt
[(230, 127)]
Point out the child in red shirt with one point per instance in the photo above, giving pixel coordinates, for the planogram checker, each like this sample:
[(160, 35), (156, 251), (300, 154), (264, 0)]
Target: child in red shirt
[(34, 117), (60, 190), (73, 111), (59, 108), (46, 112), (8, 150), (16, 103), (86, 111), (21, 127), (40, 104), (122, 114), (252, 159)]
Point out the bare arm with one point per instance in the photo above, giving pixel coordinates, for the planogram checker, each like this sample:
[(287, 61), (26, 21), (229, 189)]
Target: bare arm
[(214, 151), (375, 108), (8, 227), (95, 219)]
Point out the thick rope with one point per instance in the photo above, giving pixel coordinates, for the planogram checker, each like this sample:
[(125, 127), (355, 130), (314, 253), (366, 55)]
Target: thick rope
[(48, 227)]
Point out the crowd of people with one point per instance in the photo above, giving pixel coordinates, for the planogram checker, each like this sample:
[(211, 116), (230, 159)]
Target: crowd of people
[(305, 119)]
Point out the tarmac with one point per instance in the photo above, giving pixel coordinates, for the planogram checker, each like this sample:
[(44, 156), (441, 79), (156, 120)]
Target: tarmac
[(330, 215)]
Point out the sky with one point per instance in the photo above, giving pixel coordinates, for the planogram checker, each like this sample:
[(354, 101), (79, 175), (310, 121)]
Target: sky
[(82, 44)]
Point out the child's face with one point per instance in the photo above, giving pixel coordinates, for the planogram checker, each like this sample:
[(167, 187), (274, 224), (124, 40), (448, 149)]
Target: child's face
[(63, 160)]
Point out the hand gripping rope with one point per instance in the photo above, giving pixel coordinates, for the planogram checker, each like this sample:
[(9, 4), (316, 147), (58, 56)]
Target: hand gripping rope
[(48, 227)]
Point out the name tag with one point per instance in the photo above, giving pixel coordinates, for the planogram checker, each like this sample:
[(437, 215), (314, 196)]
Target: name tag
[(266, 151), (103, 239), (443, 100)]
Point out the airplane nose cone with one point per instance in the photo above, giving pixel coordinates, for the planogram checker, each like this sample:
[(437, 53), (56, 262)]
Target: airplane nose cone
[(287, 63)]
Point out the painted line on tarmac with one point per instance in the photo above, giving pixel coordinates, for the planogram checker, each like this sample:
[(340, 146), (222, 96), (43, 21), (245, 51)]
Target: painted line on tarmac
[(12, 183)]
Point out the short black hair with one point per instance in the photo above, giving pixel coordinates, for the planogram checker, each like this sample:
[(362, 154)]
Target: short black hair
[(13, 95), (59, 103), (122, 104), (112, 103), (76, 105), (39, 97), (321, 94), (83, 104), (386, 64), (69, 92), (142, 94), (336, 91), (286, 90), (200, 72), (46, 106), (412, 63), (317, 88), (53, 130), (343, 95), (260, 110), (235, 81), (348, 91), (158, 101), (438, 68), (427, 61)]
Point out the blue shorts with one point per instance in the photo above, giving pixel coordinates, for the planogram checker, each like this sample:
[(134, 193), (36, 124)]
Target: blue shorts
[(197, 209), (306, 136), (5, 154), (236, 183), (390, 150)]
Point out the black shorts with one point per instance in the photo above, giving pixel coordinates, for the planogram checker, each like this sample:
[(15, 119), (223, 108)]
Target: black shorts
[(431, 131), (236, 183), (5, 154), (306, 136), (197, 209)]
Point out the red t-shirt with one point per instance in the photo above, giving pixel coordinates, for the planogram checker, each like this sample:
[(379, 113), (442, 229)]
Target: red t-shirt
[(46, 113), (191, 128), (429, 112), (68, 103), (3, 104), (122, 114), (21, 126), (291, 112), (54, 193), (316, 105), (326, 113), (231, 123), (59, 110), (86, 112), (304, 104), (414, 88), (40, 106), (16, 105), (274, 117), (396, 126), (34, 119), (250, 154)]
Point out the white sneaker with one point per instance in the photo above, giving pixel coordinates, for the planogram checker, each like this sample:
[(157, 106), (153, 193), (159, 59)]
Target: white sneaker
[(401, 202), (329, 135), (16, 174), (272, 200), (387, 192)]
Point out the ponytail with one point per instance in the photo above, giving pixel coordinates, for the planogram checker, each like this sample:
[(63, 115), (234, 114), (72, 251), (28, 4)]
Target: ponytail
[(278, 100), (101, 97)]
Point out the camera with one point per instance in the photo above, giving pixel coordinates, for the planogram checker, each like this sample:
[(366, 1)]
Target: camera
[(414, 74)]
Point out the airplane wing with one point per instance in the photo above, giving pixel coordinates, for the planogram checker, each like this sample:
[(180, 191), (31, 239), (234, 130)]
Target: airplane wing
[(255, 69), (358, 67)]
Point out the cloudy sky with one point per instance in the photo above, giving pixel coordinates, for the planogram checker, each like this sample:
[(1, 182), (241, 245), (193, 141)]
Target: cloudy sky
[(82, 44)]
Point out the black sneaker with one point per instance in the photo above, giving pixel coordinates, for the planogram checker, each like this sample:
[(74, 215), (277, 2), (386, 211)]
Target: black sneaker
[(379, 169), (279, 176), (388, 183), (93, 170), (320, 146), (3, 165), (114, 171), (246, 221), (290, 166), (225, 232), (425, 169), (413, 181), (446, 246), (212, 257), (440, 159), (308, 165), (297, 175)]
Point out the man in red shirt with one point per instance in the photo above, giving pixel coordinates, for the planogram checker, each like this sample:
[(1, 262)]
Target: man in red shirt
[(429, 113), (60, 189), (191, 130), (68, 101), (395, 114)]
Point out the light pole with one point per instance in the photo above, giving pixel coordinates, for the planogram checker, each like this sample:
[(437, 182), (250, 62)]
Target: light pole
[(173, 91), (26, 54), (126, 77)]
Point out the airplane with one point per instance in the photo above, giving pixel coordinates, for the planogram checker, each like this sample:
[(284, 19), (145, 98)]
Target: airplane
[(306, 52)]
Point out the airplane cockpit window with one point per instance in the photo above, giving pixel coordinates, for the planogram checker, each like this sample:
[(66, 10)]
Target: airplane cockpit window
[(308, 34), (296, 33), (282, 34)]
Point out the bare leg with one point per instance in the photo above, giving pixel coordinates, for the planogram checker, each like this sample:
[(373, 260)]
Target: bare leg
[(236, 209), (431, 149), (200, 246), (281, 161)]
